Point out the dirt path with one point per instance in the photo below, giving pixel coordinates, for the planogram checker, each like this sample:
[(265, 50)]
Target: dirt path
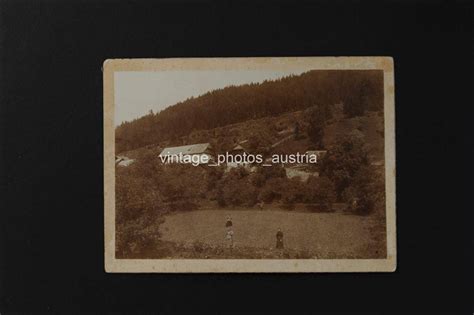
[(327, 234)]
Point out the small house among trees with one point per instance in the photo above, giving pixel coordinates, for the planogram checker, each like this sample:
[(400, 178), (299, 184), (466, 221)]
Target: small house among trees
[(318, 153), (123, 161), (202, 150), (238, 150)]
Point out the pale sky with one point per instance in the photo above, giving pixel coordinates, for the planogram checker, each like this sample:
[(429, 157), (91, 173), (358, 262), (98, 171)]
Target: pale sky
[(136, 92)]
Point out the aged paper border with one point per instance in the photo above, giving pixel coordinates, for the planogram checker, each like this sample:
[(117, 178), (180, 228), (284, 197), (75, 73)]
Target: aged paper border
[(247, 265)]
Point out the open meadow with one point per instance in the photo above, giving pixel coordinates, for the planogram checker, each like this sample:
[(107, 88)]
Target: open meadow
[(313, 235)]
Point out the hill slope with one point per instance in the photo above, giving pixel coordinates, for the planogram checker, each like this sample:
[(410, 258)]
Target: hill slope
[(276, 135), (235, 104)]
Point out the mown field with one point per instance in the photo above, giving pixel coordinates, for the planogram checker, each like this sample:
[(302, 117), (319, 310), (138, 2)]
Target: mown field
[(306, 235)]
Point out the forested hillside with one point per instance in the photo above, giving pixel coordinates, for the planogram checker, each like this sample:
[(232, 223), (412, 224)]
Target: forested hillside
[(357, 90)]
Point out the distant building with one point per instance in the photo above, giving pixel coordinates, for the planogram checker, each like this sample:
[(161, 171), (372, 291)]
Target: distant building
[(378, 163), (175, 154), (123, 161), (318, 153), (237, 158), (298, 172), (238, 150)]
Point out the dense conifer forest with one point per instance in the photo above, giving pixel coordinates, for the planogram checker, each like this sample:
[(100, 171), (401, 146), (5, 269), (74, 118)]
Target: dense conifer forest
[(357, 90)]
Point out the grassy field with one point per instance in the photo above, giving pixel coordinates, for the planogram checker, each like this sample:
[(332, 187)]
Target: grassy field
[(319, 235)]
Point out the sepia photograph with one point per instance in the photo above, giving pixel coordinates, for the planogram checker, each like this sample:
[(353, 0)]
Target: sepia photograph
[(249, 165)]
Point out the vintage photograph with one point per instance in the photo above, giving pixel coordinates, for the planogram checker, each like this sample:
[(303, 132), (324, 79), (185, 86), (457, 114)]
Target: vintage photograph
[(249, 165)]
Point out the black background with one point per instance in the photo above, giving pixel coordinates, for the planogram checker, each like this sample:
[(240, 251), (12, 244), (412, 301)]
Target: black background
[(51, 241)]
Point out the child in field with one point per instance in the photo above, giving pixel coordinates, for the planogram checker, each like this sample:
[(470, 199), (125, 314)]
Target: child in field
[(230, 238)]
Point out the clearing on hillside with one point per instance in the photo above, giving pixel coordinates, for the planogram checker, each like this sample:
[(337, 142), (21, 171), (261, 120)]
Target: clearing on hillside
[(321, 235)]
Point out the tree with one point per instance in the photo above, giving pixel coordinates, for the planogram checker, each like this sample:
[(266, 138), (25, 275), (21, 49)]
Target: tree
[(317, 122), (271, 172), (321, 190), (356, 103), (343, 161), (259, 142), (272, 190), (293, 191), (297, 130), (365, 192)]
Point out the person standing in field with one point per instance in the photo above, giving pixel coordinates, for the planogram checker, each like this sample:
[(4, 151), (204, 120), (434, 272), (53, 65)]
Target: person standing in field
[(279, 239), (230, 233), (230, 238), (228, 223)]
